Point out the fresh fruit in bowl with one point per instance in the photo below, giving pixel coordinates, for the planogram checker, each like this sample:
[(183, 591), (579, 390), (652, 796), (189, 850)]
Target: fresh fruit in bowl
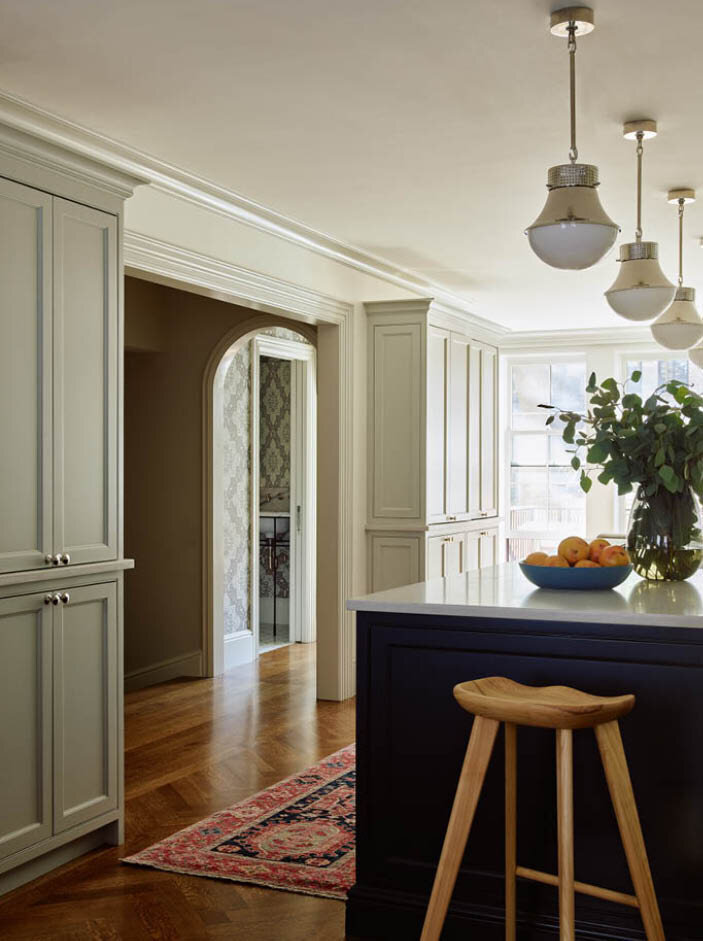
[(587, 564), (595, 547), (614, 555), (557, 561), (536, 558), (573, 549)]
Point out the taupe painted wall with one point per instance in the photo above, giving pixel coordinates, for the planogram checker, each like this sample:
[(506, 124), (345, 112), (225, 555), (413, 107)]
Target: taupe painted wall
[(163, 466)]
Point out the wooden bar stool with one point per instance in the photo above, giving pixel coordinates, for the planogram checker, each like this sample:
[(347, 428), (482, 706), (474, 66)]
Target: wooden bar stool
[(496, 699)]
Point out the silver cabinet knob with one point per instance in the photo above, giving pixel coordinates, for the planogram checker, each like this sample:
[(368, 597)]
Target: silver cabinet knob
[(51, 598), (65, 597), (65, 558), (52, 559)]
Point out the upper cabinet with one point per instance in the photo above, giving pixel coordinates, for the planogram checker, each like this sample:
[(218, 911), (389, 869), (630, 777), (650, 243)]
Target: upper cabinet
[(59, 379), (433, 412)]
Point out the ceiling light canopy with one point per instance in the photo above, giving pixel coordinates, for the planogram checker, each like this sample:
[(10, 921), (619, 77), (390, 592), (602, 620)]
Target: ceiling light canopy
[(680, 327), (573, 230), (641, 289)]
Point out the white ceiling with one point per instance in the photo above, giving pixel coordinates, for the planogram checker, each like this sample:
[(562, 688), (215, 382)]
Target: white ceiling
[(419, 131)]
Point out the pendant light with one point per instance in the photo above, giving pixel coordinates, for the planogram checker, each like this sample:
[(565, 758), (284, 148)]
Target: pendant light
[(573, 230), (641, 289), (680, 327)]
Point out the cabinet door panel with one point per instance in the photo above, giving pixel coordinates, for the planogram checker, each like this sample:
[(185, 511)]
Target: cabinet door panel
[(396, 403), (471, 551), (25, 722), (435, 557), (458, 438), (25, 377), (85, 705), (395, 561), (453, 556), (488, 548), (489, 483), (474, 430), (85, 382), (437, 398)]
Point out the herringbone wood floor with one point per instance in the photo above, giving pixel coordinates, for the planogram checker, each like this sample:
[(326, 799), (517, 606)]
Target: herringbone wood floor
[(193, 747)]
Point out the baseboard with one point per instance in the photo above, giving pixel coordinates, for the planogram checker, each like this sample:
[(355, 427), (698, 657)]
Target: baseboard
[(239, 649), (189, 664)]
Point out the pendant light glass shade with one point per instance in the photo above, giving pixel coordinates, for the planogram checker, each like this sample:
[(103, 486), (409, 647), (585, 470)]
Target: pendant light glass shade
[(679, 327), (696, 356), (573, 230), (641, 289)]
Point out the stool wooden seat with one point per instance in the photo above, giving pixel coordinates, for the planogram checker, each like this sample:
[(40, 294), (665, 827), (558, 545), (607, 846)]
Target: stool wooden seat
[(550, 707), (497, 699)]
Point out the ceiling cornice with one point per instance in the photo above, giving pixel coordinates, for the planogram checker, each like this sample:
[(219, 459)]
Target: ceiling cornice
[(515, 341), (25, 116)]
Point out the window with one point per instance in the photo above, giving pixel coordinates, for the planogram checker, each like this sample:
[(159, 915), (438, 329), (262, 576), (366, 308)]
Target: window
[(545, 501), (655, 372)]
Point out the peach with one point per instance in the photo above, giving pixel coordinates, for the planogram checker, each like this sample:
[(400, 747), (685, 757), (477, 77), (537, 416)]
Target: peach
[(573, 549), (587, 564), (595, 548), (557, 561), (614, 555), (536, 558)]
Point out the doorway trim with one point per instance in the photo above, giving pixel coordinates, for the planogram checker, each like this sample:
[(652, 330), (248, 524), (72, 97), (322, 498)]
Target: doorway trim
[(303, 569)]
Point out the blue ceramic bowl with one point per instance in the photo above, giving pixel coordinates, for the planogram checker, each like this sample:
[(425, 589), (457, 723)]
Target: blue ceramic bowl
[(572, 578)]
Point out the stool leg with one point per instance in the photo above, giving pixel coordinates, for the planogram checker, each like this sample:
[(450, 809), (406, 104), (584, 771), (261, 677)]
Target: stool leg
[(473, 772), (510, 828), (617, 775), (565, 820)]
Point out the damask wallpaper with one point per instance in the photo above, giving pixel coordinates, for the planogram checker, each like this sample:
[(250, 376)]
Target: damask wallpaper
[(274, 423), (237, 498)]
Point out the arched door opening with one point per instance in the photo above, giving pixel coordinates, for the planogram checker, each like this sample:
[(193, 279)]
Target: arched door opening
[(263, 495)]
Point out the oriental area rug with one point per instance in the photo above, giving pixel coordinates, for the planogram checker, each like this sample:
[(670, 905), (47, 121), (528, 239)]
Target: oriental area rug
[(297, 835)]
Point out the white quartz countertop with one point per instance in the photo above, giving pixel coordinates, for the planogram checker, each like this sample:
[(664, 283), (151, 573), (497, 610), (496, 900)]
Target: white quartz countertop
[(502, 591)]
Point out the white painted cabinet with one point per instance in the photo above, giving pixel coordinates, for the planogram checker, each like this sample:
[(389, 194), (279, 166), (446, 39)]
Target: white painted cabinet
[(437, 384), (25, 723), (85, 705), (58, 380)]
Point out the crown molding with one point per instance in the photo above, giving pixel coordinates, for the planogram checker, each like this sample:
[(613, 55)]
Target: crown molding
[(448, 316), (169, 264), (31, 119), (517, 341)]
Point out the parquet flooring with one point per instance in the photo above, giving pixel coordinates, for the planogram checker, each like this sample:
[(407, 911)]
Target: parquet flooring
[(193, 747)]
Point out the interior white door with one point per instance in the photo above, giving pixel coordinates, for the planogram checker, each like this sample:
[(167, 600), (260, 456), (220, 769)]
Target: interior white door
[(85, 383), (458, 438), (437, 400), (25, 722), (85, 705), (25, 377)]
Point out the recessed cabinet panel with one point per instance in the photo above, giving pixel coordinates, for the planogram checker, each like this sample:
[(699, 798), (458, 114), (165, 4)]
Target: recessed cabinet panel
[(471, 551), (489, 489), (85, 382), (25, 377), (397, 390), (488, 548), (458, 439), (437, 400), (474, 431), (395, 561), (25, 723), (85, 702)]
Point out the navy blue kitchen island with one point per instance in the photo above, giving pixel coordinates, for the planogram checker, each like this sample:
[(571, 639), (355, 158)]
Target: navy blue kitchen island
[(414, 644)]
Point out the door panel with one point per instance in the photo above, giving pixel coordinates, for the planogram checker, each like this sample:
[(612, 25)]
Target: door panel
[(435, 557), (395, 561), (85, 382), (85, 705), (25, 377), (437, 396), (474, 430), (458, 438), (488, 548), (471, 551), (489, 488), (25, 722)]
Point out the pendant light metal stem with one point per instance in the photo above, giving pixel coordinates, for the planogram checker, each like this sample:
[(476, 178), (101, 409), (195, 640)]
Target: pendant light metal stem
[(640, 152), (682, 203), (573, 150)]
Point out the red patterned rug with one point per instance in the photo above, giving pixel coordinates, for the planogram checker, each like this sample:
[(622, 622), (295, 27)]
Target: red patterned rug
[(297, 835)]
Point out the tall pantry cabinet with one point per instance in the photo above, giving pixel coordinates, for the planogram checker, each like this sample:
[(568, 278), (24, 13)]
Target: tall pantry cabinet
[(433, 469), (61, 556)]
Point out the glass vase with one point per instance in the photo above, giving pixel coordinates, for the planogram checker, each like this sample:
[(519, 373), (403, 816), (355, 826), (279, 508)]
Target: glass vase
[(664, 534)]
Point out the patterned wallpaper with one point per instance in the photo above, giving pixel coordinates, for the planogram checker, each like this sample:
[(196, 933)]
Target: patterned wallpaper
[(237, 498), (274, 423)]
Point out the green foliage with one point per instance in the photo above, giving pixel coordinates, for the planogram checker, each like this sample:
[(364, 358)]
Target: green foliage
[(656, 444)]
